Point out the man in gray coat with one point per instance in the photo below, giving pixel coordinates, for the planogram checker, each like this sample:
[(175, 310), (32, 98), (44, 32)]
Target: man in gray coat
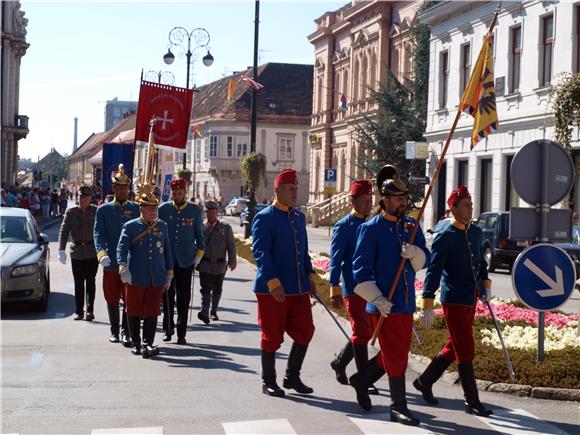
[(79, 222), (219, 240)]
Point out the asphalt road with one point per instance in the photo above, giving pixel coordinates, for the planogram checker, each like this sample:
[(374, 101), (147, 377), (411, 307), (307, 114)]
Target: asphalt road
[(61, 376)]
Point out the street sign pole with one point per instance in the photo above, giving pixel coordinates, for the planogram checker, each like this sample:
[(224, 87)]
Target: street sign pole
[(543, 225)]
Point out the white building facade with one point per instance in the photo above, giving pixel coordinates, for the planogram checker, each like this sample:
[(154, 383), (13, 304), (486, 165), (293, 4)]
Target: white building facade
[(224, 143), (534, 41)]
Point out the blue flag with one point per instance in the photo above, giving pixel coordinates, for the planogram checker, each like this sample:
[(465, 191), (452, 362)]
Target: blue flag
[(113, 154)]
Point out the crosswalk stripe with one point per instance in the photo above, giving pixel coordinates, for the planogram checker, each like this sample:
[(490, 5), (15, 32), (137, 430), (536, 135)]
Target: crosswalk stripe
[(382, 424), (152, 430), (279, 426), (517, 421)]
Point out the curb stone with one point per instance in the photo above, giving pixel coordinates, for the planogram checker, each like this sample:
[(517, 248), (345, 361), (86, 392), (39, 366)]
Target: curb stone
[(419, 363)]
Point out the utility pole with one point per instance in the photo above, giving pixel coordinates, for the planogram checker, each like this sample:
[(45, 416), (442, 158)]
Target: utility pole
[(252, 204)]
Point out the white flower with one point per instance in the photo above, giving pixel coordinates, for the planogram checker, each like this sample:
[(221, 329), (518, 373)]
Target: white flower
[(519, 337)]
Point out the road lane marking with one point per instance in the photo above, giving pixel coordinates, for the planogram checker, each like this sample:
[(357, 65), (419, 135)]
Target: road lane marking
[(517, 421), (279, 426), (382, 424), (35, 360), (153, 430), (58, 318)]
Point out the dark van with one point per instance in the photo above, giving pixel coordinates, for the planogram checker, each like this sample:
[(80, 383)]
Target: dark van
[(499, 250)]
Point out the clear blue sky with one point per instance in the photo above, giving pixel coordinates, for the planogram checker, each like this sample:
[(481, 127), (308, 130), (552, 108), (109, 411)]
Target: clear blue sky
[(84, 53)]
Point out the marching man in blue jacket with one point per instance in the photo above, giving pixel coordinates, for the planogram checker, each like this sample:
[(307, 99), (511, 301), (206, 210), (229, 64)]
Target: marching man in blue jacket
[(457, 263), (110, 218), (185, 225), (283, 284), (146, 268), (341, 252), (381, 242)]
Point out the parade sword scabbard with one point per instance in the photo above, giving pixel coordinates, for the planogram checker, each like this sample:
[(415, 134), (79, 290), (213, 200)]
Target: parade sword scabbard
[(428, 194), (506, 355), (331, 315)]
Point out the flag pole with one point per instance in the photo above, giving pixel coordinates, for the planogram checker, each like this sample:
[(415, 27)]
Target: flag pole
[(427, 196)]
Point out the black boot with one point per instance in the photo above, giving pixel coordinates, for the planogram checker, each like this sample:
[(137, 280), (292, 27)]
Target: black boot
[(149, 327), (361, 359), (125, 334), (203, 315), (424, 383), (134, 324), (215, 301), (269, 385), (363, 379), (292, 378), (472, 403), (114, 321), (341, 361), (399, 411)]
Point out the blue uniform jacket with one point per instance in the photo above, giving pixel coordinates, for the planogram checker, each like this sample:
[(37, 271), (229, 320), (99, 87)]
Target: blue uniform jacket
[(111, 217), (342, 250), (377, 256), (457, 262), (280, 247), (185, 226), (149, 259)]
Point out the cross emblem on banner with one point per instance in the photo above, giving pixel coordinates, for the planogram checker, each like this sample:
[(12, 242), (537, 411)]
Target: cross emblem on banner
[(165, 119)]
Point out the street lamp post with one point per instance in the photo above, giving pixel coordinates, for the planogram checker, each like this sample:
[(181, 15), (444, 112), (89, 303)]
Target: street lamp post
[(165, 77), (177, 38)]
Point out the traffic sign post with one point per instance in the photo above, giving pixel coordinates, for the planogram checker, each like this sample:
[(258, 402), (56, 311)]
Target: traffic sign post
[(542, 173), (330, 181), (543, 277)]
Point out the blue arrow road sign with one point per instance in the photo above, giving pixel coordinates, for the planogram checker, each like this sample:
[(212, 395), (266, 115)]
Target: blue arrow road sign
[(543, 277)]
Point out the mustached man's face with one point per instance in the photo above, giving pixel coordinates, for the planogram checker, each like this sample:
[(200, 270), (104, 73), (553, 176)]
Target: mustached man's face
[(148, 212), (178, 195), (287, 194), (121, 192), (362, 204), (396, 205), (463, 211)]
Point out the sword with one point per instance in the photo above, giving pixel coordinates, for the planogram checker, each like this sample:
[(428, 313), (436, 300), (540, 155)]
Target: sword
[(331, 315), (505, 352), (417, 336)]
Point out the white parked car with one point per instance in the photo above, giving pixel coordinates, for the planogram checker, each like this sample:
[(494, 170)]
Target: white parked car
[(236, 205)]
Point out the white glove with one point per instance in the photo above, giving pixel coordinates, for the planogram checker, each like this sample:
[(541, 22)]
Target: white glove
[(196, 261), (415, 255), (105, 261), (168, 284), (485, 294), (369, 291), (426, 317), (126, 276), (62, 257)]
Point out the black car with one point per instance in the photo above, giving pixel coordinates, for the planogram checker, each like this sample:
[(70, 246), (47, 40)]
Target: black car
[(499, 250), (245, 212)]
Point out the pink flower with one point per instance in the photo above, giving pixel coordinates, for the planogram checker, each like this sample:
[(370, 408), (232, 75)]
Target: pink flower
[(322, 264)]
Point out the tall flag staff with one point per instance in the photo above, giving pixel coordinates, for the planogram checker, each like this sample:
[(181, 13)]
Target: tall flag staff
[(479, 101)]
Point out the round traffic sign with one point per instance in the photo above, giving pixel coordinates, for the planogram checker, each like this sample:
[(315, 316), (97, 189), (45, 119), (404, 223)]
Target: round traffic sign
[(527, 172), (543, 277)]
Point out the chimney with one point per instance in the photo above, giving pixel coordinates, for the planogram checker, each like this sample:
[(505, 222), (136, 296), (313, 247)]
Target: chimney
[(75, 143)]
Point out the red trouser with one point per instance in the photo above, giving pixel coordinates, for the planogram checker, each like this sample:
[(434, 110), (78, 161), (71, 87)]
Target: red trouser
[(143, 301), (293, 316), (360, 321), (395, 341), (113, 287), (460, 345)]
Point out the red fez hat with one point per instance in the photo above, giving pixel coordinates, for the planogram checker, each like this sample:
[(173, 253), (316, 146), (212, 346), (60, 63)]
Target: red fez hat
[(361, 187), (286, 176), (178, 183), (457, 195)]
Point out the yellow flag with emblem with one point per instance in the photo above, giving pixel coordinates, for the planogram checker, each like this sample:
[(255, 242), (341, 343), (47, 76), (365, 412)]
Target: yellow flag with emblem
[(232, 87), (479, 96)]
